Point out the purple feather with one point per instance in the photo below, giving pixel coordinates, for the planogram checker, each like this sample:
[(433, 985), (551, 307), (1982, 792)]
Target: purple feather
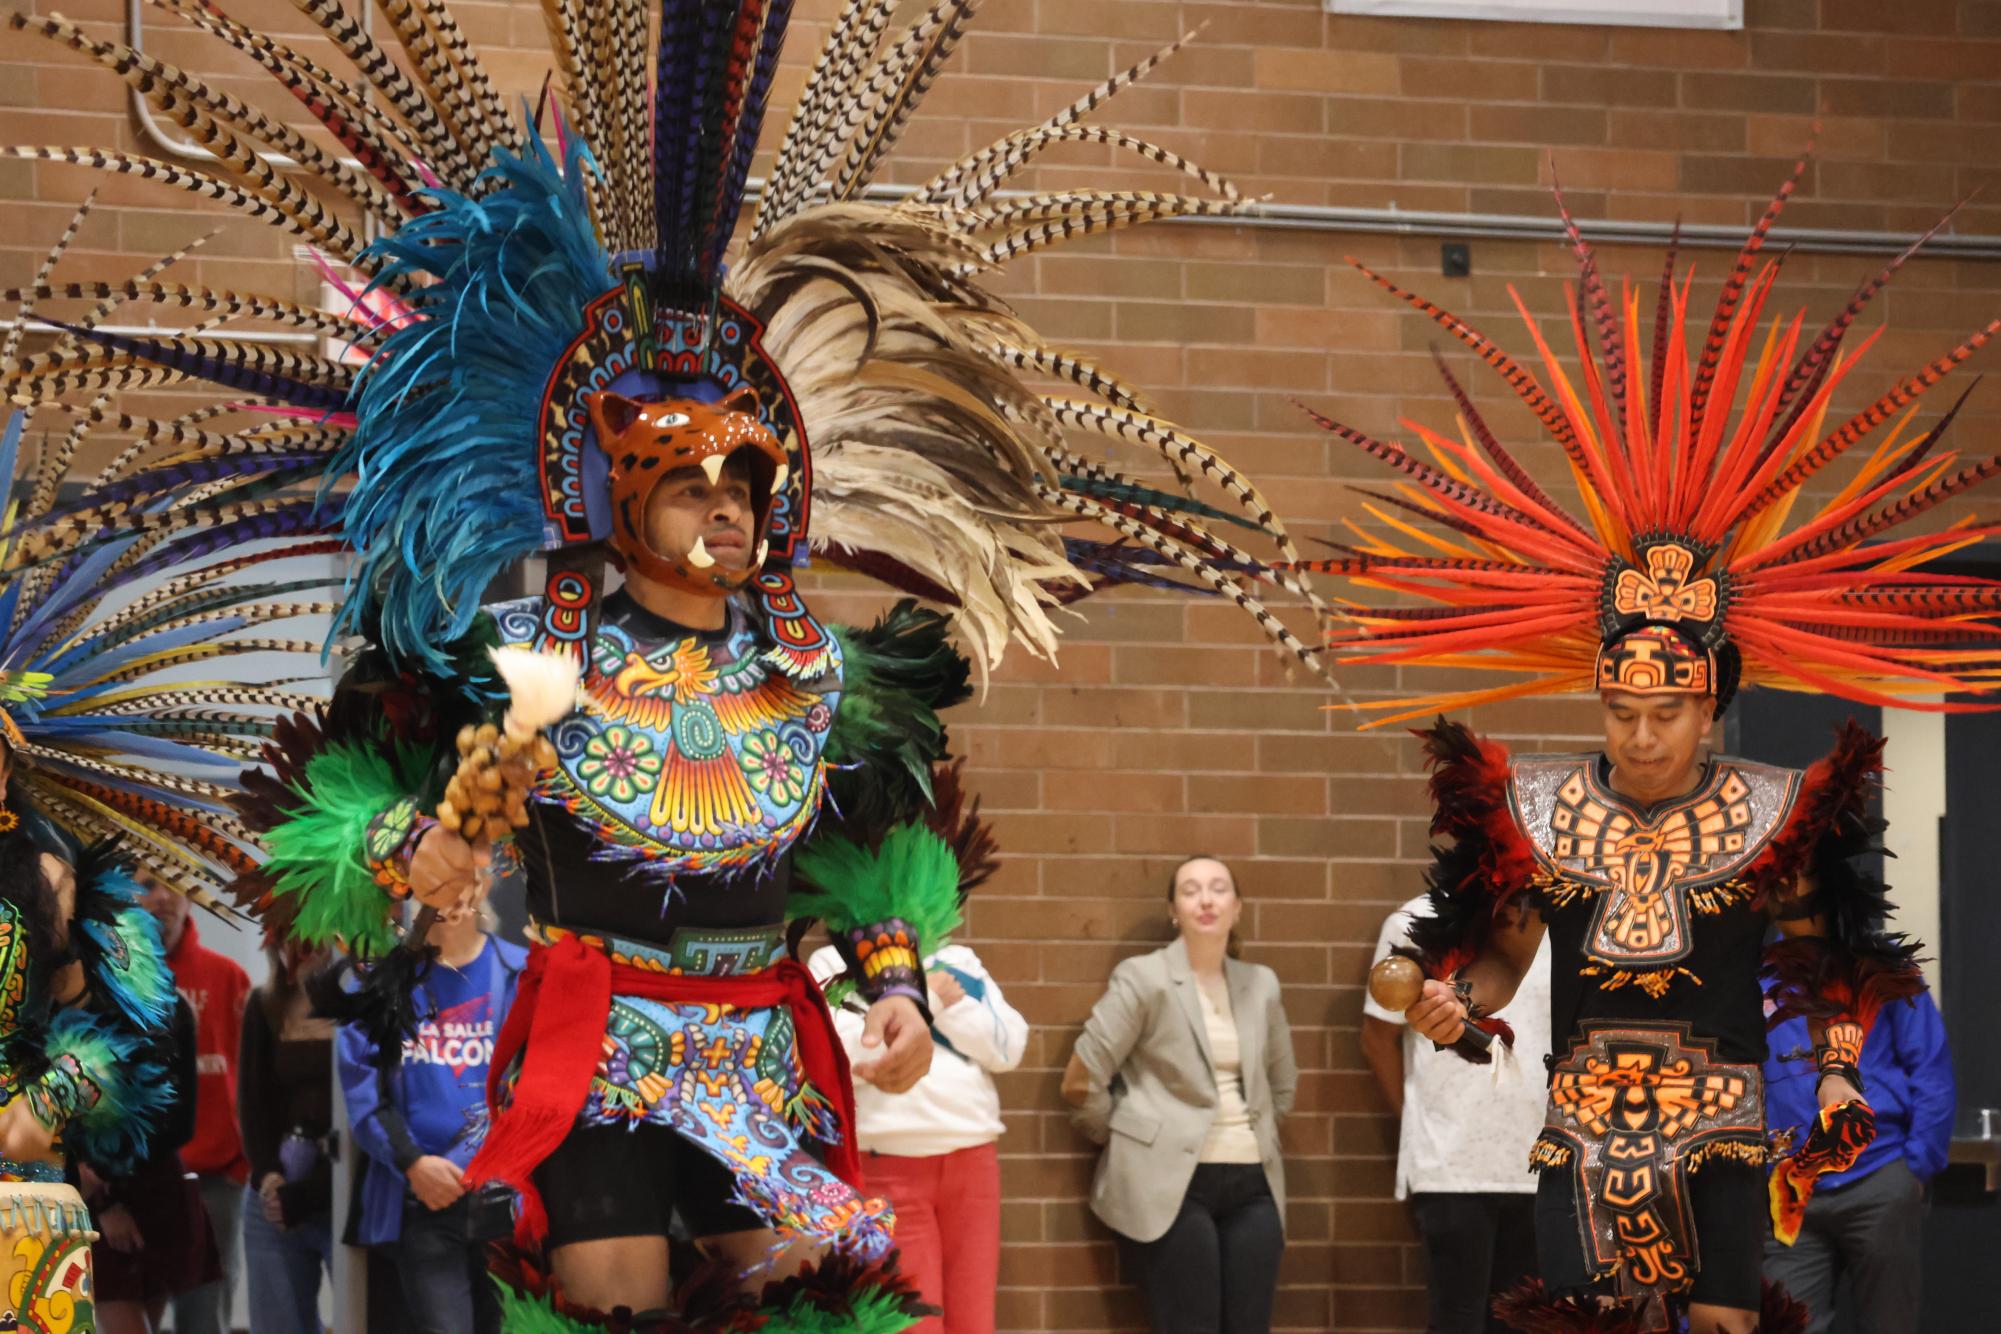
[(263, 384), (303, 516), (673, 106), (176, 476)]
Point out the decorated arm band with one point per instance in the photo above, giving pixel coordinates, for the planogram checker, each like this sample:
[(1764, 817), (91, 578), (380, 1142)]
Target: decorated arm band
[(391, 841), (885, 959), (1839, 1052)]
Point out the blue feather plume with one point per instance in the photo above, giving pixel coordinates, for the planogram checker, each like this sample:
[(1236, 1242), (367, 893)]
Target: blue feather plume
[(443, 453)]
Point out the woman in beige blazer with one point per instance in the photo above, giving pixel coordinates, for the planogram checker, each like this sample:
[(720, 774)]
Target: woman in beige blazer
[(1182, 1072)]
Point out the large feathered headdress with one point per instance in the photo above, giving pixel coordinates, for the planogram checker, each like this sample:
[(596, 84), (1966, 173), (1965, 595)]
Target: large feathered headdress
[(132, 613), (1696, 558), (527, 276)]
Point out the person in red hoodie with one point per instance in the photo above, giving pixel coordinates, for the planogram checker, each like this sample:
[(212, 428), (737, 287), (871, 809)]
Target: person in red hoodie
[(215, 988)]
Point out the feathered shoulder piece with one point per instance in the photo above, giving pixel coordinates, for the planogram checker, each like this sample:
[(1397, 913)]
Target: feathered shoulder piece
[(898, 675), (118, 943), (1695, 519), (1830, 817), (1487, 862), (1856, 966)]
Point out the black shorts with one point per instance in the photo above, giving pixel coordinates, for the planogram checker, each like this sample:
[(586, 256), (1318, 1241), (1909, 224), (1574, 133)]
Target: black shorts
[(610, 1181), (1727, 1201)]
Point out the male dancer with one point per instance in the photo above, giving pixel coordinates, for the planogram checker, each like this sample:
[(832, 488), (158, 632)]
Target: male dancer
[(1657, 871)]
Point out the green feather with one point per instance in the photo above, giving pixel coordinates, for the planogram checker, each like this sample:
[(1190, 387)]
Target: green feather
[(106, 1096), (896, 676), (912, 875), (118, 942), (521, 1313), (318, 853), (870, 1311), (1133, 493)]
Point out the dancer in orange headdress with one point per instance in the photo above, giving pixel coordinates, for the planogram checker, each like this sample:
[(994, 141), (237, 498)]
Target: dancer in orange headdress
[(1657, 871)]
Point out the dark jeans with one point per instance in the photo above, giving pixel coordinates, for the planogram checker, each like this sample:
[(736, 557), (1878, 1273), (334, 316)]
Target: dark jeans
[(443, 1273), (1475, 1245), (1216, 1269), (1869, 1231)]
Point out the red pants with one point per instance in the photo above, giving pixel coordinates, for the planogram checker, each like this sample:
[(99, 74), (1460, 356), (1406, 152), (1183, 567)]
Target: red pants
[(947, 1230)]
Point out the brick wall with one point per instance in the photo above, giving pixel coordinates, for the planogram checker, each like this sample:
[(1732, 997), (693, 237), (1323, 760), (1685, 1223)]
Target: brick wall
[(1168, 727)]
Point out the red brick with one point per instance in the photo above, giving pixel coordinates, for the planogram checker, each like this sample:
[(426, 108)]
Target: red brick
[(1747, 92)]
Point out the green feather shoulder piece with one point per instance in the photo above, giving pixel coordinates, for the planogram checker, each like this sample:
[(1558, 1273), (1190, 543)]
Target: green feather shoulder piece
[(101, 1089), (897, 675)]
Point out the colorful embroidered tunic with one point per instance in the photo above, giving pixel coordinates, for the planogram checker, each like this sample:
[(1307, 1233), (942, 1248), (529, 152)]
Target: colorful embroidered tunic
[(660, 865)]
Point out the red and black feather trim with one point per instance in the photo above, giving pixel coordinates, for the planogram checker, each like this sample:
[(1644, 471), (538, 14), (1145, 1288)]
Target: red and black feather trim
[(1530, 1308), (1488, 862), (1856, 967)]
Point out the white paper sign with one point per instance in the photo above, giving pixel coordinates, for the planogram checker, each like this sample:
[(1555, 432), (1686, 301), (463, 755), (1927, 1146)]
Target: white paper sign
[(1626, 13)]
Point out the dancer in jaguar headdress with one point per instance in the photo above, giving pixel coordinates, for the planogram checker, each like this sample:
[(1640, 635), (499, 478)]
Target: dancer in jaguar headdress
[(558, 360), (1669, 879)]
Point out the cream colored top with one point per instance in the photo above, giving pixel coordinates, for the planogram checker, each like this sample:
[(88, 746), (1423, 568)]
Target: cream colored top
[(1230, 1138)]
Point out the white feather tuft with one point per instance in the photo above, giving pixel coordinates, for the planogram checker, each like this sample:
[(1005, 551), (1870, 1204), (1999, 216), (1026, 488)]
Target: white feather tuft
[(541, 687)]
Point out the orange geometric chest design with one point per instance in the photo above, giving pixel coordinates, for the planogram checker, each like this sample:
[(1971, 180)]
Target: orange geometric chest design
[(1638, 864)]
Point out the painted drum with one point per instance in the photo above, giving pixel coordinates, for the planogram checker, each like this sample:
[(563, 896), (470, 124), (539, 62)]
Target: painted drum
[(45, 1275)]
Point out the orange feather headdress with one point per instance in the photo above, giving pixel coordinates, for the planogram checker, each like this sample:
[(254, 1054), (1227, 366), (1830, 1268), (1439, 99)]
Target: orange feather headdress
[(1689, 513)]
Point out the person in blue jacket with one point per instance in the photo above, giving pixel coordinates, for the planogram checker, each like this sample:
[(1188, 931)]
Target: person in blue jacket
[(420, 1120), (1865, 1223)]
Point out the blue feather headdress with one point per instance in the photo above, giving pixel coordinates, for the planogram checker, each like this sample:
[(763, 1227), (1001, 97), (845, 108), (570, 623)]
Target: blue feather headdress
[(443, 455)]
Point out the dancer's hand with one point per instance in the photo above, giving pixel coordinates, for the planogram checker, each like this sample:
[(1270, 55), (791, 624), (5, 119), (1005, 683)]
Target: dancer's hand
[(437, 1182), (897, 1026), (446, 870), (1439, 1013)]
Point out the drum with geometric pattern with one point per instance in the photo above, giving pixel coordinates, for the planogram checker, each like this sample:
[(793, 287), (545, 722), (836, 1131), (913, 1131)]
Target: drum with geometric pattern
[(45, 1240)]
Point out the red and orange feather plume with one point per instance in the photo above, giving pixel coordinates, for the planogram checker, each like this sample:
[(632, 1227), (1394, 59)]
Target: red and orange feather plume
[(1710, 452)]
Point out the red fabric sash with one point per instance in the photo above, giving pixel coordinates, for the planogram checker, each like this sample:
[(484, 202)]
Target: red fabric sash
[(558, 1020)]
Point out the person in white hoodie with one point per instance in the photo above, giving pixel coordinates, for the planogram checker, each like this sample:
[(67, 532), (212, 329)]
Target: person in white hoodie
[(931, 1149)]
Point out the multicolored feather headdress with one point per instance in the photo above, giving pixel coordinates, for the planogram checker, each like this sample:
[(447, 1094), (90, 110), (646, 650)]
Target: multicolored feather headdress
[(527, 277), (106, 603), (1696, 558)]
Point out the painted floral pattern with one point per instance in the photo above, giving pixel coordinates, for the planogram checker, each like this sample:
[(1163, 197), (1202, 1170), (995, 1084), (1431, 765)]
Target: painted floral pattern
[(772, 768), (619, 763)]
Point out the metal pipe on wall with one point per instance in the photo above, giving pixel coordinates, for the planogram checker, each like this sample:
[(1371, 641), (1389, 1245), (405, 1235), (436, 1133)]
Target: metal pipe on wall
[(35, 324), (1325, 218)]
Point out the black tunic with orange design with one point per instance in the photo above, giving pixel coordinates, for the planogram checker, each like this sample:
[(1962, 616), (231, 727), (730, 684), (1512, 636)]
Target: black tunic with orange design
[(1650, 910)]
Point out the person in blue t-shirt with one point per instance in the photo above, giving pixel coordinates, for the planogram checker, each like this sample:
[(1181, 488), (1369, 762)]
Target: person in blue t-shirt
[(419, 1123), (1865, 1223)]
